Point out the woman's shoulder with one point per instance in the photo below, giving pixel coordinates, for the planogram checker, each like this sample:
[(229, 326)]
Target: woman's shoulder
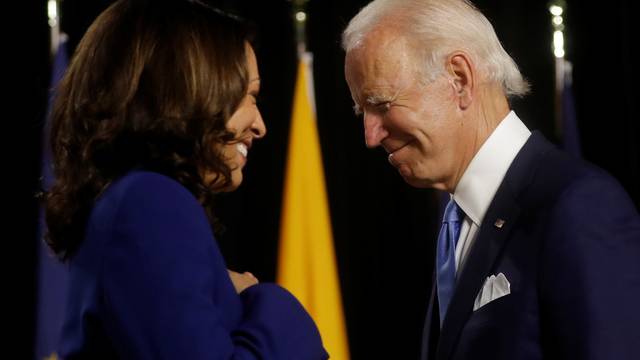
[(143, 184), (146, 192), (145, 181)]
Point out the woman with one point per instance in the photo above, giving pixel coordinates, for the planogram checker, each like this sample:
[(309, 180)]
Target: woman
[(156, 114)]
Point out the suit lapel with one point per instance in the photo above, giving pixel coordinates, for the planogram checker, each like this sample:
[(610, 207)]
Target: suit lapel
[(491, 238), (488, 244)]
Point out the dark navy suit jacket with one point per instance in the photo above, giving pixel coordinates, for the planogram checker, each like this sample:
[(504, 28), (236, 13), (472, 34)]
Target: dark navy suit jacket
[(570, 248), (149, 282)]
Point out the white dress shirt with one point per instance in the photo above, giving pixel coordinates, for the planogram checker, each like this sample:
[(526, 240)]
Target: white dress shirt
[(480, 181)]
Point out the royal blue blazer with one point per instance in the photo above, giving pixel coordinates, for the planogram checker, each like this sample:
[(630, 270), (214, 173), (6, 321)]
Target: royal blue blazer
[(149, 282), (569, 244)]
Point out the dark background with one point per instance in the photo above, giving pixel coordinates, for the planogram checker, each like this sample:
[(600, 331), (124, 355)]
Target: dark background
[(384, 230)]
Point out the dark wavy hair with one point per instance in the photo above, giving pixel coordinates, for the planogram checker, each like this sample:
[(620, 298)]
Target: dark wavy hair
[(150, 86)]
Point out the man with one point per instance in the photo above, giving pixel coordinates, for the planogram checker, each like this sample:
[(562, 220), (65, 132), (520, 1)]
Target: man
[(539, 254)]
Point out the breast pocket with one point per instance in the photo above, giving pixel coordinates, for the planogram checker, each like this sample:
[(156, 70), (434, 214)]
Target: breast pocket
[(496, 312)]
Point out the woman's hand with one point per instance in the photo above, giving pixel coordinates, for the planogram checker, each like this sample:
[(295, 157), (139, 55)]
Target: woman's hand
[(242, 281)]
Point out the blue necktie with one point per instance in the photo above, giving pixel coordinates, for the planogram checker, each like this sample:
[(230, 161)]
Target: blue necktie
[(446, 256)]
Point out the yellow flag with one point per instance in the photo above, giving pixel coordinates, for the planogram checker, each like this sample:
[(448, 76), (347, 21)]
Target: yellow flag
[(307, 264)]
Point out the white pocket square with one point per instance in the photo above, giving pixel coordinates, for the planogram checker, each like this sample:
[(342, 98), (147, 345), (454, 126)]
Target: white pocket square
[(495, 287)]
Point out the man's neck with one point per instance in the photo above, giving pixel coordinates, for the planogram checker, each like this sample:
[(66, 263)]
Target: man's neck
[(492, 107)]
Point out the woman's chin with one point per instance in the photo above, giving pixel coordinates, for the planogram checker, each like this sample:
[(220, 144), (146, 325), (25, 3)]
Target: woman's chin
[(236, 181)]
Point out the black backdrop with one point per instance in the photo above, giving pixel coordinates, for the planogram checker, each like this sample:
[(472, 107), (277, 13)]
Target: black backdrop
[(384, 230)]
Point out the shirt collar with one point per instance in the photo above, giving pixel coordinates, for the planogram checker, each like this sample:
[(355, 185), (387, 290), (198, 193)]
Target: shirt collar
[(483, 176)]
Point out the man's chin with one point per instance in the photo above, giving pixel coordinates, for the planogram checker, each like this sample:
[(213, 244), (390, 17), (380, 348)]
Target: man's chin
[(413, 180)]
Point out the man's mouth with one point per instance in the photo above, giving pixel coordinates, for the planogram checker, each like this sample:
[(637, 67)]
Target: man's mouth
[(393, 150)]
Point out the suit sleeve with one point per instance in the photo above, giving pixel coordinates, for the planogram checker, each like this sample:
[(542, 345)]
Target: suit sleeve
[(162, 277), (590, 280)]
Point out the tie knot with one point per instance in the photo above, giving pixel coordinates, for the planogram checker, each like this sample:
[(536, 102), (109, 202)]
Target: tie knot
[(452, 213)]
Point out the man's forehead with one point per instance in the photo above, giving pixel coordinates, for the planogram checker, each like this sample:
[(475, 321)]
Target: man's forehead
[(380, 68), (384, 49), (383, 39)]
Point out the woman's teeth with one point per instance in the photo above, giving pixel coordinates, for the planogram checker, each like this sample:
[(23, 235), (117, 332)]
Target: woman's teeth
[(242, 149)]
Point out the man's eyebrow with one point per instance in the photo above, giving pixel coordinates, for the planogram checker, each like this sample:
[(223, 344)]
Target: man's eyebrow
[(377, 99), (374, 99)]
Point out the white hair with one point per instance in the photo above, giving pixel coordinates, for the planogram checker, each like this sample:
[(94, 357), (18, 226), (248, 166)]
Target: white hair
[(435, 28)]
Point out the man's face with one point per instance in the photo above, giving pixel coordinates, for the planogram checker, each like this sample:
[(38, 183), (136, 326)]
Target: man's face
[(419, 125)]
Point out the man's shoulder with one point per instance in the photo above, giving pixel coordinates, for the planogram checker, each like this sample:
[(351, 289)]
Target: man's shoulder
[(564, 172), (561, 179), (545, 174)]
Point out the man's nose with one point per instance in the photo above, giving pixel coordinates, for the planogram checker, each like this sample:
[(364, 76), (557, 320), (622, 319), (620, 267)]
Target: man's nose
[(374, 131)]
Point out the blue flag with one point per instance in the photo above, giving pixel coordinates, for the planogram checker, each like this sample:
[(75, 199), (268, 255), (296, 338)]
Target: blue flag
[(52, 275)]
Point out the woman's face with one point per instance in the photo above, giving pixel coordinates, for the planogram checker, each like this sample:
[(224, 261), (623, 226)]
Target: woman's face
[(246, 123)]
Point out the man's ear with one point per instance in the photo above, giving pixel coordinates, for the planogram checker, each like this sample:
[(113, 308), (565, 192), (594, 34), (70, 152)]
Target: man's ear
[(462, 74)]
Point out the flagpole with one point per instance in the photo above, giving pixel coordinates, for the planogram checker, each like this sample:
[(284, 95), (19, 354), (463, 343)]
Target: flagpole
[(53, 12), (557, 9), (300, 19)]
